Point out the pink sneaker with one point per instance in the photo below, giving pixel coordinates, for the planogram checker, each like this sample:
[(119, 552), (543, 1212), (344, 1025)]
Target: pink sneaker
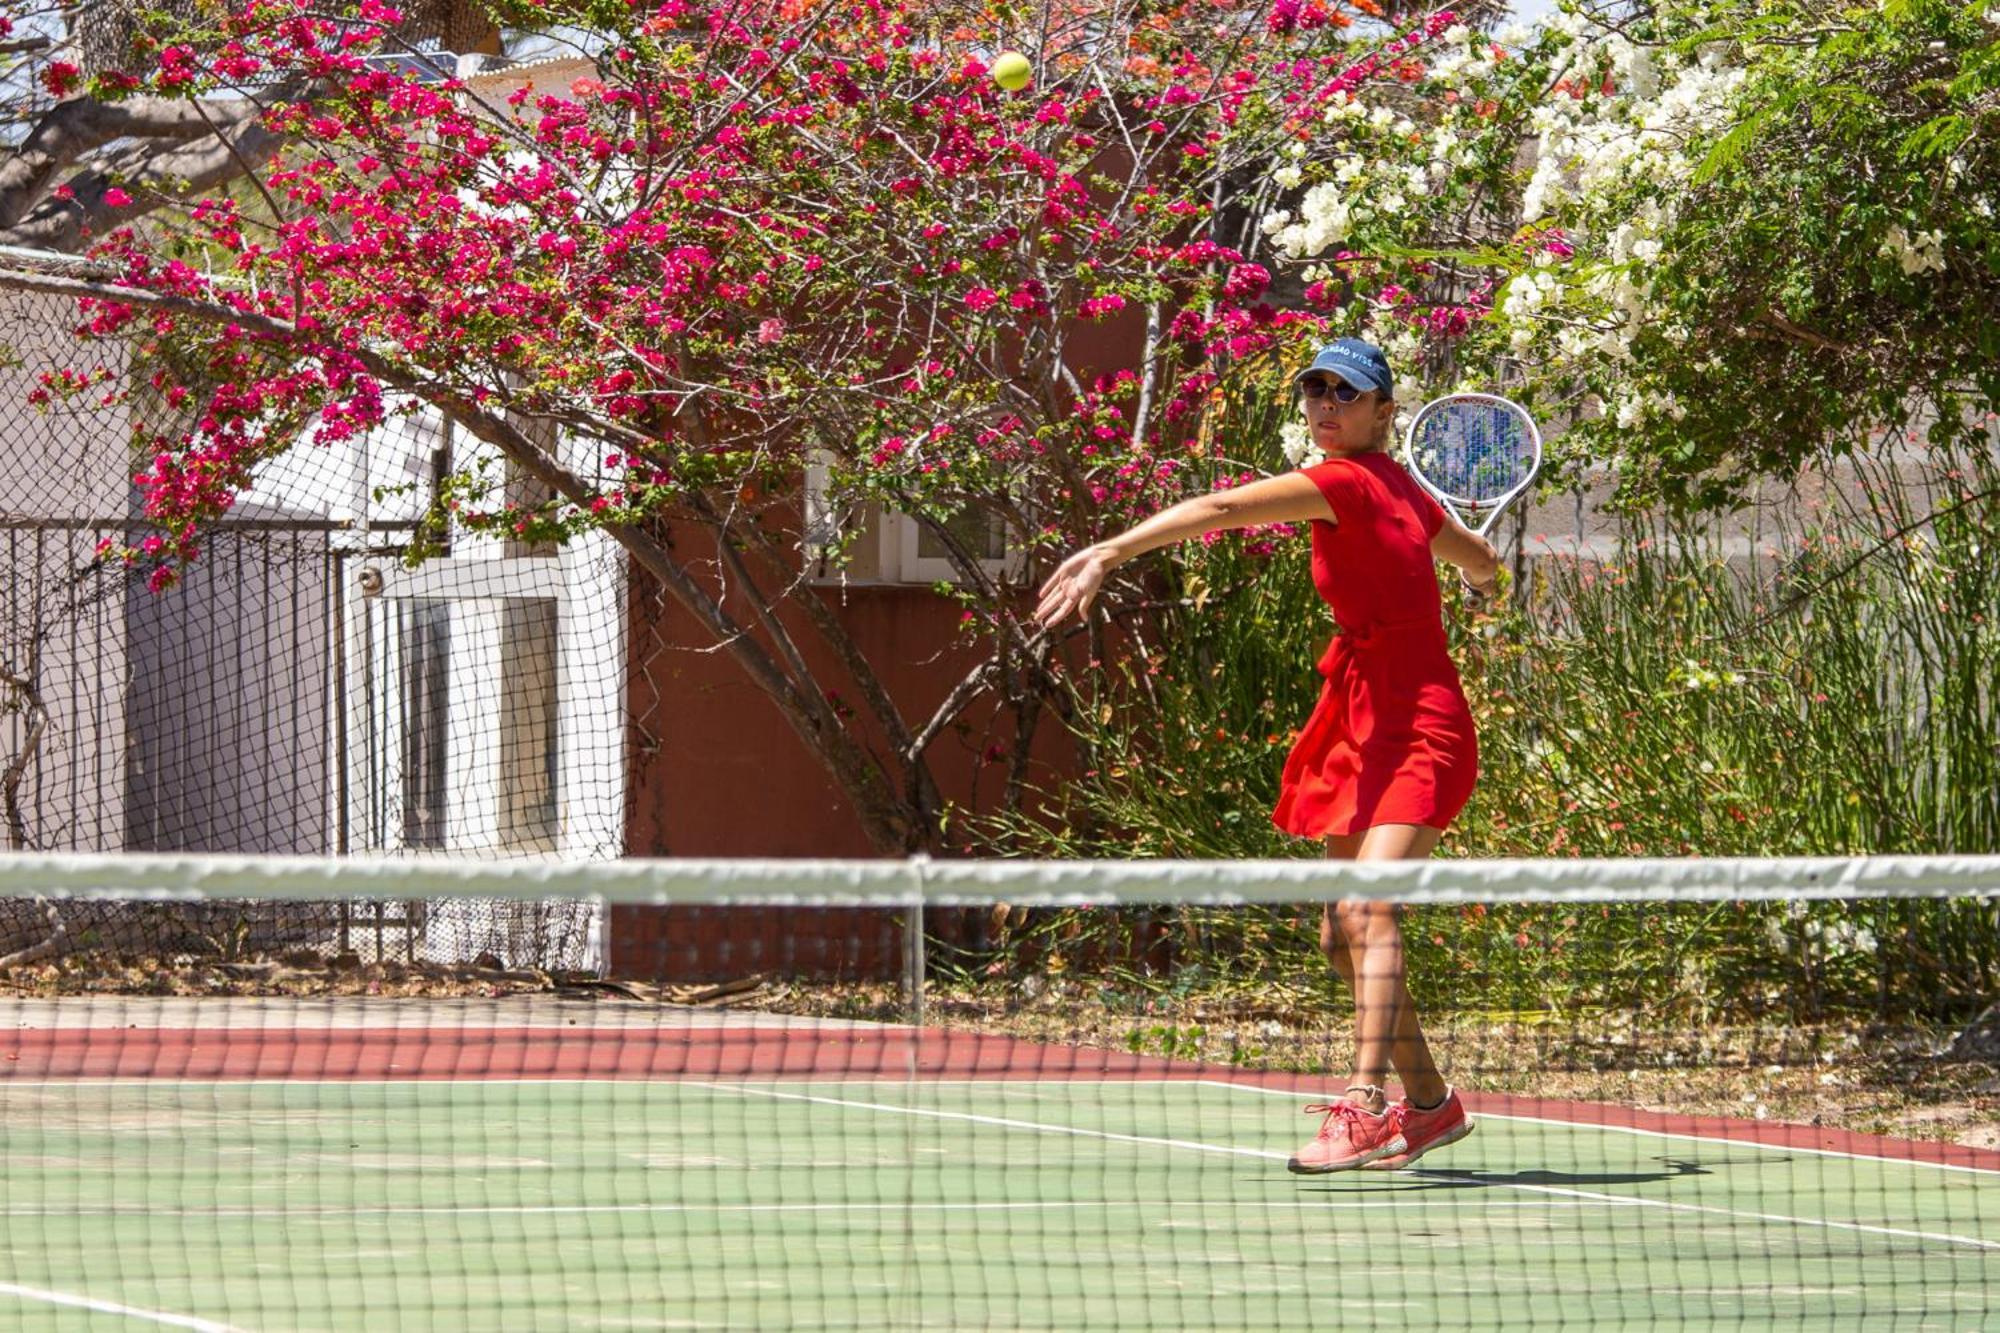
[(1349, 1137), (1444, 1123)]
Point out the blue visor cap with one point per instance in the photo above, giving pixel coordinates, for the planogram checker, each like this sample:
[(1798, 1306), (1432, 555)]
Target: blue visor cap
[(1359, 363)]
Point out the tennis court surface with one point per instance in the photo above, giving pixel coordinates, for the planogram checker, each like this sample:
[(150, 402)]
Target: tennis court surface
[(558, 1162)]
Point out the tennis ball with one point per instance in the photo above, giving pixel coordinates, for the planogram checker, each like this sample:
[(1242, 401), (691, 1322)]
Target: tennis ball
[(1012, 71)]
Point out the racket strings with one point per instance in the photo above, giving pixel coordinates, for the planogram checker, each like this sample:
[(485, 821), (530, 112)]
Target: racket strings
[(1476, 452)]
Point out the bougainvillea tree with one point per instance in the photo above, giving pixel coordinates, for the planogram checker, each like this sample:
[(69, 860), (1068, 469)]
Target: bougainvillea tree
[(89, 146), (1792, 244), (758, 234)]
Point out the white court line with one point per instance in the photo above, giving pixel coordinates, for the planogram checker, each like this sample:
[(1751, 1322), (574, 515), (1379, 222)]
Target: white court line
[(1002, 1121), (1634, 1200), (1667, 1204), (91, 1303), (901, 1081), (1632, 1129)]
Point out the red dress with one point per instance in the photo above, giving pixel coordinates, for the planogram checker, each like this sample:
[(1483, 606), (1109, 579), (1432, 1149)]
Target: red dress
[(1391, 741)]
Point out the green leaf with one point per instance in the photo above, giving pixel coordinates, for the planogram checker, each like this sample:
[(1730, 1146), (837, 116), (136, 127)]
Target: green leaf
[(1473, 256), (1936, 137), (1732, 147), (1748, 31), (1981, 74)]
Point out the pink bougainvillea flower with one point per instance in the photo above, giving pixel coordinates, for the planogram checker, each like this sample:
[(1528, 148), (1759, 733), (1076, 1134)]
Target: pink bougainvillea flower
[(60, 77)]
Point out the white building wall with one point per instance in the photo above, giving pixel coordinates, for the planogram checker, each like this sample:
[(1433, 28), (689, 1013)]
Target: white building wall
[(62, 488)]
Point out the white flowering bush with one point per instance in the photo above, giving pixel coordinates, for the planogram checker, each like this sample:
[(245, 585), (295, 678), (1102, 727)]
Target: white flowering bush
[(1711, 240)]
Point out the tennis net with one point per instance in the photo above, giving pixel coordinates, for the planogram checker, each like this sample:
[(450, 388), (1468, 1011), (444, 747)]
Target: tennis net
[(997, 1094)]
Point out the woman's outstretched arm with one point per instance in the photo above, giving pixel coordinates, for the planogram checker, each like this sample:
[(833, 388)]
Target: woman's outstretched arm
[(1289, 498), (1475, 557)]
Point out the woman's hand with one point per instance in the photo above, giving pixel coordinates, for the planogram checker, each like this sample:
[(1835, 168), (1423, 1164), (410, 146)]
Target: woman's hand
[(1074, 585), (1478, 563), (1482, 590)]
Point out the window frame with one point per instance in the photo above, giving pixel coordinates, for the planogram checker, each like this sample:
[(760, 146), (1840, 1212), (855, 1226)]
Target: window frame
[(886, 544)]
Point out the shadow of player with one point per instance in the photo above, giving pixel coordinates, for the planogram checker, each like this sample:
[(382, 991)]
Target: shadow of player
[(1441, 1178)]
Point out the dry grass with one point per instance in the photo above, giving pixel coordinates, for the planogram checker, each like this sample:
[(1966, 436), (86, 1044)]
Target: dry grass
[(296, 975)]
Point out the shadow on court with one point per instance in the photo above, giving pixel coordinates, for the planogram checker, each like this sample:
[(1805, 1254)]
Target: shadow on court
[(1407, 1182)]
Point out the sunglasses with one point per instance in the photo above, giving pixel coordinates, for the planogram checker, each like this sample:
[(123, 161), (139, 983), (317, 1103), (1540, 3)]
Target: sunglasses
[(1319, 388)]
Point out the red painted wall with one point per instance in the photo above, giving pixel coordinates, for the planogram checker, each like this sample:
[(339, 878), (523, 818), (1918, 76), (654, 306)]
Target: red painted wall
[(718, 771)]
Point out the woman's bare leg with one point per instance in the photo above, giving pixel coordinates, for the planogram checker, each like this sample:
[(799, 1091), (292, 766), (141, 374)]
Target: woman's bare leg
[(1332, 942), (1364, 942)]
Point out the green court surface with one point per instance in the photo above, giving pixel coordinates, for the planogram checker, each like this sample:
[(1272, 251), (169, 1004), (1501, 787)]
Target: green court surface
[(882, 1203)]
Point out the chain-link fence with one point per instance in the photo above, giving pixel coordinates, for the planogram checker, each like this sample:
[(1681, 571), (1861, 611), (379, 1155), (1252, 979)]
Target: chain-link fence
[(298, 690)]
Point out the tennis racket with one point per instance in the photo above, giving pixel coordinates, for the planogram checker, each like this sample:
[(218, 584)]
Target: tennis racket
[(1475, 453)]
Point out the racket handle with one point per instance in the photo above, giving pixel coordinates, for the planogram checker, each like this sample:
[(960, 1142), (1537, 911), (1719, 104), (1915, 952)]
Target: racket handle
[(1478, 596)]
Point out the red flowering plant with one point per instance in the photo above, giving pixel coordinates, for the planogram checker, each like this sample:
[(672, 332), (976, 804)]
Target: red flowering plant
[(757, 235)]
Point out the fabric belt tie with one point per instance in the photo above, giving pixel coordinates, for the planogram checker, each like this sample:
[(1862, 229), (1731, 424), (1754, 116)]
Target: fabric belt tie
[(1349, 644)]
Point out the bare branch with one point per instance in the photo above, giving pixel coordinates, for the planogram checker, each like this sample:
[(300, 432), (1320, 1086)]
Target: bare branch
[(920, 784), (27, 687), (159, 175), (960, 698), (1785, 326), (726, 545), (77, 127)]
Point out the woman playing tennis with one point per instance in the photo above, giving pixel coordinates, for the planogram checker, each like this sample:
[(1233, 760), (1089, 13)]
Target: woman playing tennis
[(1388, 758)]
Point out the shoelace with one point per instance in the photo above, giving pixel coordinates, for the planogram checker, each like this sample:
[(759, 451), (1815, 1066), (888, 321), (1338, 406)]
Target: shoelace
[(1347, 1111)]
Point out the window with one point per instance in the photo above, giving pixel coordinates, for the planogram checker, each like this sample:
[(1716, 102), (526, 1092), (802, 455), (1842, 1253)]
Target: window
[(453, 740), (891, 548), (480, 696)]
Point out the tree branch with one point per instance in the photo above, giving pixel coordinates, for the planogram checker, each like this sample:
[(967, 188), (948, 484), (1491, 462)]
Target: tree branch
[(160, 175), (956, 702), (76, 127), (725, 545), (27, 686), (1777, 321), (920, 786)]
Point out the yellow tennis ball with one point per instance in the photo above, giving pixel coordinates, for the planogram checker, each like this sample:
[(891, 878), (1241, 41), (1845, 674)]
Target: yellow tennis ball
[(1012, 71)]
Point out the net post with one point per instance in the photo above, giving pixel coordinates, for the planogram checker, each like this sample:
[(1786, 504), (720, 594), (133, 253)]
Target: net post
[(906, 1308), (913, 947)]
